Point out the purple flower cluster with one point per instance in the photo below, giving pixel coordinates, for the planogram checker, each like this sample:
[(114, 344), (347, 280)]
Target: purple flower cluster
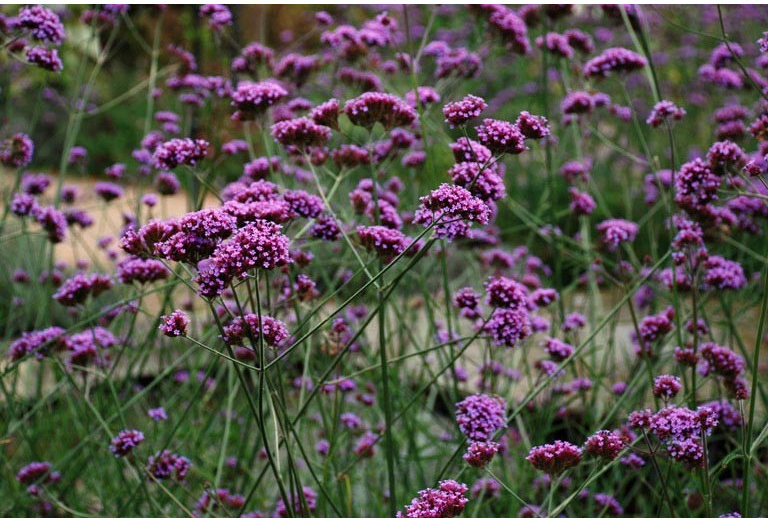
[(136, 269), (508, 327), (512, 29), (125, 441), (308, 497), (615, 59), (167, 464), (664, 111), (680, 429), (78, 288), (616, 231), (175, 324), (108, 191), (386, 242), (556, 44), (217, 15), (209, 501), (248, 326), (448, 500), (486, 183), (37, 472), (501, 137), (554, 458), (605, 444), (468, 303), (480, 453), (259, 244), (479, 416), (458, 113), (666, 386), (253, 99), (301, 133), (38, 343), (43, 24), (17, 151), (451, 208), (378, 107), (504, 292), (532, 126), (557, 349), (45, 58), (177, 152)]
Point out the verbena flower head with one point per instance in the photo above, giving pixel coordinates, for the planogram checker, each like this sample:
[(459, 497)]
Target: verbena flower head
[(53, 222), (136, 269), (480, 453), (452, 208), (556, 44), (458, 113), (616, 231), (180, 151), (581, 202), (501, 137), (77, 289), (35, 472), (365, 447), (274, 331), (508, 327), (511, 28), (34, 184), (695, 185), (17, 151), (378, 107), (423, 96), (532, 127), (485, 183), (39, 343), (580, 41), (604, 444), (723, 274), (77, 154), (326, 114), (664, 111), (386, 242), (615, 59), (468, 302), (448, 500), (723, 154), (108, 191), (309, 498), (557, 349), (259, 244), (251, 99), (44, 25), (554, 458), (577, 102), (301, 133), (167, 464), (479, 416), (45, 58), (175, 324), (504, 292), (608, 504), (666, 386), (722, 361), (23, 205), (158, 414), (468, 150), (216, 15), (125, 441)]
